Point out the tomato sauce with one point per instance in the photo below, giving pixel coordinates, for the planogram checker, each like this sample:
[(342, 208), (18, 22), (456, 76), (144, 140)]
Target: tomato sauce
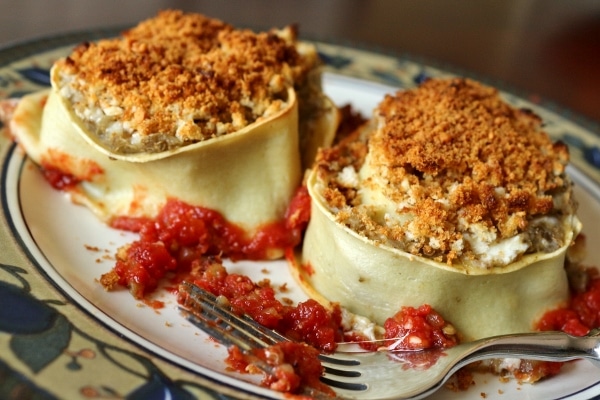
[(581, 315), (182, 233), (295, 367), (308, 321), (58, 179), (64, 171), (312, 329), (417, 329)]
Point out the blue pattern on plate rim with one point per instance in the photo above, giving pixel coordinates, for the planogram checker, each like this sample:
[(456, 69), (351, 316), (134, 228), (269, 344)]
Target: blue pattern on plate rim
[(40, 334)]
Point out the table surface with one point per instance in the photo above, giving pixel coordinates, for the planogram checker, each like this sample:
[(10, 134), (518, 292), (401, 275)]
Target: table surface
[(545, 48)]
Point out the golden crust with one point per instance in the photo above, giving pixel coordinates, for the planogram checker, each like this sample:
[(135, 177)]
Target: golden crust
[(447, 156), (61, 128), (460, 128), (183, 78)]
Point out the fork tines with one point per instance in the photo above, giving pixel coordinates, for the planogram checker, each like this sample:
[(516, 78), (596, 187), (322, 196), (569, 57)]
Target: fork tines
[(215, 316)]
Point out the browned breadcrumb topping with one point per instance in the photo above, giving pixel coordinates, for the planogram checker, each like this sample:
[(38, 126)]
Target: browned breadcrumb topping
[(182, 77), (451, 154)]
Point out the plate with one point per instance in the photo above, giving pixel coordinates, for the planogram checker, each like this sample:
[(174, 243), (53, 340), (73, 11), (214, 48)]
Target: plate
[(63, 336)]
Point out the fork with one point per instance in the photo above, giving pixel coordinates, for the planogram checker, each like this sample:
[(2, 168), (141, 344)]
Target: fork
[(385, 374)]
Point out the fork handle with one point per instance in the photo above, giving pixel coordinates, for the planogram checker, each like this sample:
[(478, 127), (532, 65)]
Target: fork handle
[(547, 346)]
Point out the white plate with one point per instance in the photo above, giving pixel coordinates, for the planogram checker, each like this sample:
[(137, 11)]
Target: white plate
[(61, 243)]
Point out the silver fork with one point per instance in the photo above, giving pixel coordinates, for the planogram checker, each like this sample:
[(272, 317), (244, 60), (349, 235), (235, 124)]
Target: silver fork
[(387, 374)]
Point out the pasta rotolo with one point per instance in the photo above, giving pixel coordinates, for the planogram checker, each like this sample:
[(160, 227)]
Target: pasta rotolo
[(448, 197), (181, 107)]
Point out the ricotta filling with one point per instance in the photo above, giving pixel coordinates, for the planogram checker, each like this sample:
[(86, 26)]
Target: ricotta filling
[(545, 233)]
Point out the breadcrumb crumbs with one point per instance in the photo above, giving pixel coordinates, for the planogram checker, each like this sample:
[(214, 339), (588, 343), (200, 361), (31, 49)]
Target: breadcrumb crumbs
[(180, 78), (451, 171)]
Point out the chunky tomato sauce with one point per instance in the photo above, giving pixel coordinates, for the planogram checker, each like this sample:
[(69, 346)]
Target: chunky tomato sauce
[(64, 171), (182, 233), (417, 329), (581, 315), (312, 328), (58, 179), (577, 319), (295, 367), (307, 322)]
